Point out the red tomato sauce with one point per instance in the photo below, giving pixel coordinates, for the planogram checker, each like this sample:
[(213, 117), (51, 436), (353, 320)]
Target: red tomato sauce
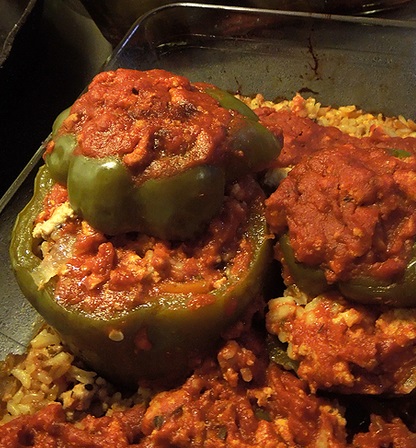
[(239, 399), (158, 123), (108, 275), (348, 348), (349, 204), (303, 136)]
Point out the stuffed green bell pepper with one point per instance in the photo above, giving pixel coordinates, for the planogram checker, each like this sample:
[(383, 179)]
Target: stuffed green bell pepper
[(151, 152), (133, 306), (345, 220), (146, 236)]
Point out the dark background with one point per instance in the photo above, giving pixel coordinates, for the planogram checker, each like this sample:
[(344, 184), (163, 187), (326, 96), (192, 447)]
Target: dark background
[(53, 57)]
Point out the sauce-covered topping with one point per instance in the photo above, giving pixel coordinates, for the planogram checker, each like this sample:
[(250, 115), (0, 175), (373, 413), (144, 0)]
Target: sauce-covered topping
[(158, 123), (149, 151), (345, 347), (349, 210), (237, 400)]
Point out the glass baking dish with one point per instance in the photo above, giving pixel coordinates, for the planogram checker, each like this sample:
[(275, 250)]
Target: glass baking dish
[(114, 17), (339, 60)]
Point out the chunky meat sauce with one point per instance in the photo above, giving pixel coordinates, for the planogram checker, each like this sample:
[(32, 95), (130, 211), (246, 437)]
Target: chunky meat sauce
[(158, 123), (349, 204), (346, 347), (303, 136), (106, 275), (237, 400)]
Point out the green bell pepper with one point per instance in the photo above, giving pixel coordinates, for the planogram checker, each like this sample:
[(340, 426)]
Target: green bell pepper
[(253, 146), (367, 290), (157, 339), (229, 101), (102, 190), (173, 208), (361, 289), (309, 279)]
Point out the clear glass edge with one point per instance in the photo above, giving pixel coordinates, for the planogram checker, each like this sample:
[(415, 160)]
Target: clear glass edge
[(359, 20)]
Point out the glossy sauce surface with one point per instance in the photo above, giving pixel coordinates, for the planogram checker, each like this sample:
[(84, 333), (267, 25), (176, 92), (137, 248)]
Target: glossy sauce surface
[(348, 205)]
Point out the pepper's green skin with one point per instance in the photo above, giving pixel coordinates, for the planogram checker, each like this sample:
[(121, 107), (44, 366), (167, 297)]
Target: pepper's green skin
[(257, 145), (102, 191), (179, 206), (175, 331), (229, 101), (59, 120), (174, 208), (309, 279), (277, 351), (60, 158), (58, 161), (361, 289), (370, 291), (399, 153)]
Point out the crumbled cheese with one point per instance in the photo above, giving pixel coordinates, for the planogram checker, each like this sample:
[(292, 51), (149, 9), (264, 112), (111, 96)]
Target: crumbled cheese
[(59, 216)]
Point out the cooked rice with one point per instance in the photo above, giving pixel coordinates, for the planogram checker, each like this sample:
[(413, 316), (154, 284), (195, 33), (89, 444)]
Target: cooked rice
[(48, 372), (349, 119)]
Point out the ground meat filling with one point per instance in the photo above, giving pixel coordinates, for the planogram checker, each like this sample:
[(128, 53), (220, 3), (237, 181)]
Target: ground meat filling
[(345, 347), (158, 123), (107, 275), (349, 211), (237, 400)]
